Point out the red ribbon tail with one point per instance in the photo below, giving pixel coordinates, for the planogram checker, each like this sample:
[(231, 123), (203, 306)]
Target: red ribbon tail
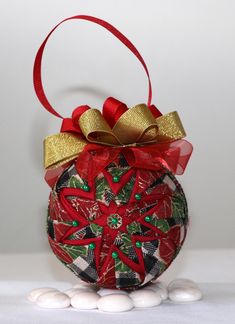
[(173, 155), (178, 156), (93, 160)]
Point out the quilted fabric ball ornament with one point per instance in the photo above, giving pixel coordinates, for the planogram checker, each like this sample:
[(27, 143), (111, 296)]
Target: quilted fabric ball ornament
[(117, 216)]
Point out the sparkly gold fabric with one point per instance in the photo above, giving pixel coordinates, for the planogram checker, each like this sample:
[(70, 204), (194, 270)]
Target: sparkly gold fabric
[(136, 126), (95, 128), (61, 148), (170, 127)]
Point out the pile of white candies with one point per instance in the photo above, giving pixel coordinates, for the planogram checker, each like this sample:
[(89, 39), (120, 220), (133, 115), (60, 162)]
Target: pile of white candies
[(83, 296)]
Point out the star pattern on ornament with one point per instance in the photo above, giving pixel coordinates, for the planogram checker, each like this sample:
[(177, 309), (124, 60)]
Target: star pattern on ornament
[(122, 229), (127, 228)]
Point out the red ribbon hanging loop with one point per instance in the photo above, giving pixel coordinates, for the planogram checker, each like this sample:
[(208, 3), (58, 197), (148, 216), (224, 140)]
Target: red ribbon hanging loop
[(37, 72)]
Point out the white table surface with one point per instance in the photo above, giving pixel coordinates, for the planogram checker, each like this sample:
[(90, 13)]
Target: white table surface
[(218, 306)]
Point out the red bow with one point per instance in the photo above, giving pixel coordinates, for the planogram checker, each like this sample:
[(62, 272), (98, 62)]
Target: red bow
[(173, 156)]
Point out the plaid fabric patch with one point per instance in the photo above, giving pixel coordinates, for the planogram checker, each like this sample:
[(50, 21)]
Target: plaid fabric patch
[(150, 248), (125, 277), (84, 267)]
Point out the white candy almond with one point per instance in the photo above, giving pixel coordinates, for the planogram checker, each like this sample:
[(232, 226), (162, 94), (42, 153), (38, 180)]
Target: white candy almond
[(115, 303), (85, 300), (35, 293), (145, 298), (53, 299)]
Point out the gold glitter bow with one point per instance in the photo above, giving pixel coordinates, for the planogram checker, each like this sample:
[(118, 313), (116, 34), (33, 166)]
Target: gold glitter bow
[(136, 126)]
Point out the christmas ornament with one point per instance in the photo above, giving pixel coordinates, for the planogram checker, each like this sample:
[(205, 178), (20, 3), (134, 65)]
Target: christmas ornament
[(117, 216)]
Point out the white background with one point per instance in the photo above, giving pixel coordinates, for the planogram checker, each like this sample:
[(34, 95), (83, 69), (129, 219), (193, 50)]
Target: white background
[(189, 48)]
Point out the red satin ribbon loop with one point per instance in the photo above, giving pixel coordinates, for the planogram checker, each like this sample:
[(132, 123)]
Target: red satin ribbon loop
[(78, 112), (68, 125), (72, 124), (112, 110), (155, 112), (37, 77)]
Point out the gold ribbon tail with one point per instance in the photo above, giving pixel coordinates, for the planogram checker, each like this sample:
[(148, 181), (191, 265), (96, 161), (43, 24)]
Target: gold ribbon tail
[(61, 148)]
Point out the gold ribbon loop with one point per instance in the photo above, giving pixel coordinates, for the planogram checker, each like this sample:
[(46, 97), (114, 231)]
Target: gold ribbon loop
[(170, 127), (95, 128), (136, 125)]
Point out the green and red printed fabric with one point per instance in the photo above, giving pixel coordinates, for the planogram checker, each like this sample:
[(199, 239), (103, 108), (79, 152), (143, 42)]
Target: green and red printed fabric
[(120, 231)]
